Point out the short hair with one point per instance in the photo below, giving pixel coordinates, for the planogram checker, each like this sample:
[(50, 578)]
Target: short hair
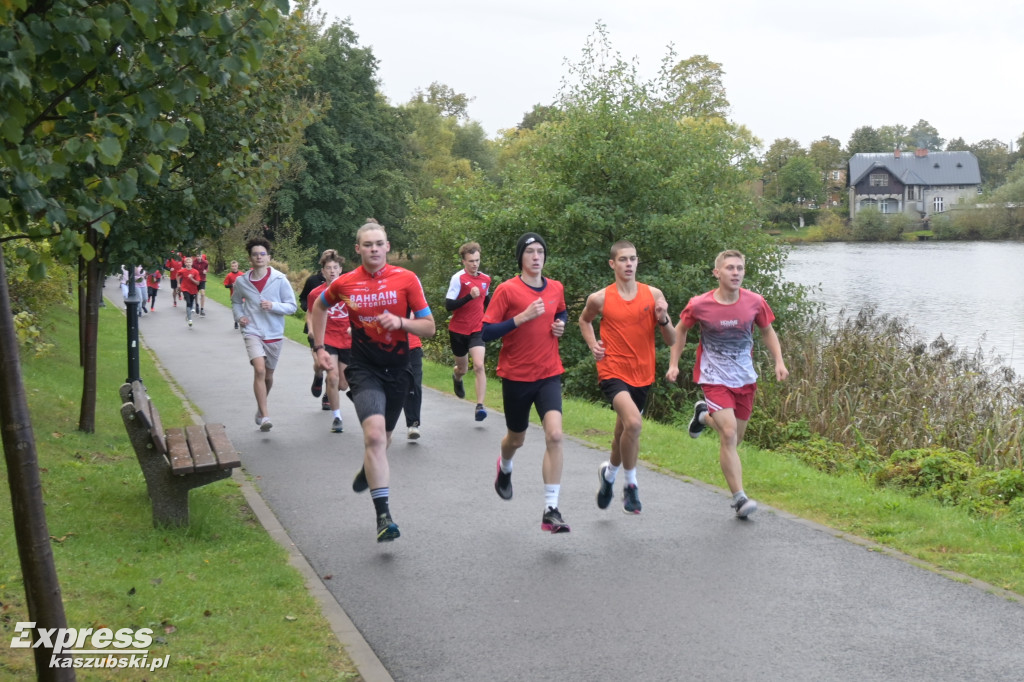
[(257, 241), (468, 248), (620, 245), (331, 255), (370, 224), (729, 253), (234, 262)]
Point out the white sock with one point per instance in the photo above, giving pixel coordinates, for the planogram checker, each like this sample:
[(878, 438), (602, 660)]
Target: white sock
[(610, 472), (630, 476), (506, 465), (738, 496), (337, 414), (551, 495)]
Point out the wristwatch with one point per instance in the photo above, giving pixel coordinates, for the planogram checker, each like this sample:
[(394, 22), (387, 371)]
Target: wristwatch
[(318, 347)]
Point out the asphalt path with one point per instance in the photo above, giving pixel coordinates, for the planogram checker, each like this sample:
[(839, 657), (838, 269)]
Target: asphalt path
[(474, 590)]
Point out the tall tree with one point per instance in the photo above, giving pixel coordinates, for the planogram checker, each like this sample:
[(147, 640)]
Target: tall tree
[(778, 155), (893, 137), (865, 140), (700, 92), (800, 184), (448, 102), (534, 117), (827, 153), (923, 135), (993, 161)]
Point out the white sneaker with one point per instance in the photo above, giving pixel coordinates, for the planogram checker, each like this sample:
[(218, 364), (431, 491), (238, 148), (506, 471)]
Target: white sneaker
[(414, 432), (265, 424)]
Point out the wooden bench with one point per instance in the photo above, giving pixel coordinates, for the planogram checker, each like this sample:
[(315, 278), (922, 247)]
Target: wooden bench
[(173, 461)]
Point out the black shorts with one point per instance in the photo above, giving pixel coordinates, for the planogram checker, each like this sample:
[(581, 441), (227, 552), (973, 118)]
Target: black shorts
[(379, 390), (202, 284), (344, 355), (518, 396), (461, 343), (612, 387), (174, 283)]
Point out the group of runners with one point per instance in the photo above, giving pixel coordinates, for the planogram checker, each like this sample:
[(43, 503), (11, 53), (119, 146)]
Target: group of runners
[(364, 328)]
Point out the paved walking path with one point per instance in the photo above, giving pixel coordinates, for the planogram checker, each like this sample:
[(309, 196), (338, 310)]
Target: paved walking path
[(474, 590)]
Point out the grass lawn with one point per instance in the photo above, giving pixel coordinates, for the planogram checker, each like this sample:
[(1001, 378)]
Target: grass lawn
[(220, 596)]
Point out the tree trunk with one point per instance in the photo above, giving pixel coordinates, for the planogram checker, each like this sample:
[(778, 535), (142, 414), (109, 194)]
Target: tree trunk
[(42, 589), (93, 293), (82, 299)]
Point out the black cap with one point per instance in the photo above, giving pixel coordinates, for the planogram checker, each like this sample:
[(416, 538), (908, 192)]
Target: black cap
[(526, 240)]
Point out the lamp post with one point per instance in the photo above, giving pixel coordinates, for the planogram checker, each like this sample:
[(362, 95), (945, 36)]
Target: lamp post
[(132, 307)]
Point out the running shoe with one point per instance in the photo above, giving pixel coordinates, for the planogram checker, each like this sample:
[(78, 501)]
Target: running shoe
[(696, 427), (359, 483), (503, 483), (325, 403), (190, 321), (481, 413), (337, 426), (318, 385), (259, 417), (414, 431), (744, 507), (387, 530), (265, 424), (460, 390), (552, 521), (202, 312), (604, 493), (631, 499)]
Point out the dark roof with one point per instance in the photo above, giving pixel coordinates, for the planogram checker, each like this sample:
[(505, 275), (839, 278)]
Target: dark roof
[(937, 168)]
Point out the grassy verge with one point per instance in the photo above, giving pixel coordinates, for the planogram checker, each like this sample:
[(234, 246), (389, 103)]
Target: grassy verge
[(219, 595), (949, 538)]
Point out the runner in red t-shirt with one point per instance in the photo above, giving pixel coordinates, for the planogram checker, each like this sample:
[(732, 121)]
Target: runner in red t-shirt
[(529, 312), (153, 286), (631, 312), (188, 283), (469, 292), (725, 367), (229, 280), (337, 343), (202, 266), (379, 299), (173, 264)]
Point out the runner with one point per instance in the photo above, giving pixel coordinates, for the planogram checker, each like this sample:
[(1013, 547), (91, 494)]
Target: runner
[(469, 292)]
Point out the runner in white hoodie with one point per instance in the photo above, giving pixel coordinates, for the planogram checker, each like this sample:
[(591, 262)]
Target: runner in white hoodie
[(260, 301)]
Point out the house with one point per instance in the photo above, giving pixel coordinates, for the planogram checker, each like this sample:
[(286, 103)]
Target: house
[(919, 184)]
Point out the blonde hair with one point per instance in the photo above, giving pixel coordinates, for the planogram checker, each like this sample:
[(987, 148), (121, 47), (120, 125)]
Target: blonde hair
[(620, 245), (370, 224), (730, 253)]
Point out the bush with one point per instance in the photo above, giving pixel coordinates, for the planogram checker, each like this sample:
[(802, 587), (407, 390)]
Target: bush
[(940, 472)]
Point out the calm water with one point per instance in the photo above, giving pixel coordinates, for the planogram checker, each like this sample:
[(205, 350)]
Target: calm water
[(972, 293)]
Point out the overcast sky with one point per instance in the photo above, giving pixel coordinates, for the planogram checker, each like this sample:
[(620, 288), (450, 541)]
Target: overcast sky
[(801, 69)]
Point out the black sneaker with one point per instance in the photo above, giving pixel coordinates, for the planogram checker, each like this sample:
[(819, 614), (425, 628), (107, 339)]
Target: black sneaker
[(604, 493), (460, 390), (481, 413), (552, 521), (387, 530), (202, 312), (744, 507), (631, 499), (503, 483), (325, 403), (696, 427), (359, 483), (318, 385), (337, 426)]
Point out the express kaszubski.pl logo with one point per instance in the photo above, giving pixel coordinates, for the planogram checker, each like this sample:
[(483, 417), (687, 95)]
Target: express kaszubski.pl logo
[(89, 648)]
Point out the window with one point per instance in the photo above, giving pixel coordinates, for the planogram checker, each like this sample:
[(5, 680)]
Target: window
[(879, 180), (937, 205), (885, 206), (835, 175)]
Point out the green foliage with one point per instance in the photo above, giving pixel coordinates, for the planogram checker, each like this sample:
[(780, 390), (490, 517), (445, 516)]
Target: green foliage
[(828, 228), (800, 181), (871, 226), (938, 471)]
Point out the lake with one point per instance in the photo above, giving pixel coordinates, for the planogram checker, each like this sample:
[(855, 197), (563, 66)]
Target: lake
[(970, 292)]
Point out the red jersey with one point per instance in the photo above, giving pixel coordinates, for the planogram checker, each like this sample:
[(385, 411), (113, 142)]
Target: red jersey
[(186, 284), (201, 265), (173, 264), (528, 352), (337, 333), (726, 348), (229, 279), (391, 289), (627, 332), (469, 317), (153, 279)]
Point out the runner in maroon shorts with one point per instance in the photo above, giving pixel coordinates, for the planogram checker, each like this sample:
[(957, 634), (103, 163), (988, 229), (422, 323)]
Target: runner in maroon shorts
[(725, 366), (528, 313)]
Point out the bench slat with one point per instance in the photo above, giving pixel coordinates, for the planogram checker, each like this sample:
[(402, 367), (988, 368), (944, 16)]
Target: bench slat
[(157, 430), (178, 452), (202, 455), (142, 403), (227, 456)]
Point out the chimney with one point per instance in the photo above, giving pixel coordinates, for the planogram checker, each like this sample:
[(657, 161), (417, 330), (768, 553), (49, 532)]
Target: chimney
[(921, 152), (896, 153)]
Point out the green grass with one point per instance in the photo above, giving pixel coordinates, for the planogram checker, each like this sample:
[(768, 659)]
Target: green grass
[(950, 538), (220, 595)]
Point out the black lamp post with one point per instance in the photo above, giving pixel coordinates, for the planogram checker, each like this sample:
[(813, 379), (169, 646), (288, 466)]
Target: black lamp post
[(132, 306)]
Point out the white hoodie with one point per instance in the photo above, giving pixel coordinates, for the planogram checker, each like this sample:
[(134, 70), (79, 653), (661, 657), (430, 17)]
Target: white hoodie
[(245, 302)]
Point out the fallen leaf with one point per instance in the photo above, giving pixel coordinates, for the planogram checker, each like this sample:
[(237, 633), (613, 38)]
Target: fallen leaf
[(290, 619)]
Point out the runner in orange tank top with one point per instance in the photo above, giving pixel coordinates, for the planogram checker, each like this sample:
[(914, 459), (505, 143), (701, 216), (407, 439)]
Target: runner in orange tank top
[(630, 313)]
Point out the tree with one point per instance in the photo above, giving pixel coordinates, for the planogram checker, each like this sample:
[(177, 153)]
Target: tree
[(865, 140), (700, 92), (993, 161), (449, 103), (534, 117), (923, 135), (800, 182), (777, 156), (827, 153), (957, 145), (354, 159), (893, 137)]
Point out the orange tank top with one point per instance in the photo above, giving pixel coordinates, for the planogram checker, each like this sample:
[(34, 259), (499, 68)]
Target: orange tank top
[(627, 330)]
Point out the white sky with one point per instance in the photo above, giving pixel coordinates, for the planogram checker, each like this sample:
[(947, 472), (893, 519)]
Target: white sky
[(801, 69)]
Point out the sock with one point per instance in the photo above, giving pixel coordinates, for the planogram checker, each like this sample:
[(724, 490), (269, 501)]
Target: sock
[(611, 472), (551, 495), (703, 418), (337, 414), (380, 500), (738, 496), (506, 465), (630, 476)]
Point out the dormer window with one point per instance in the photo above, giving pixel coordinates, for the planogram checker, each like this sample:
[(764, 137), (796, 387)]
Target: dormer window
[(878, 180)]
